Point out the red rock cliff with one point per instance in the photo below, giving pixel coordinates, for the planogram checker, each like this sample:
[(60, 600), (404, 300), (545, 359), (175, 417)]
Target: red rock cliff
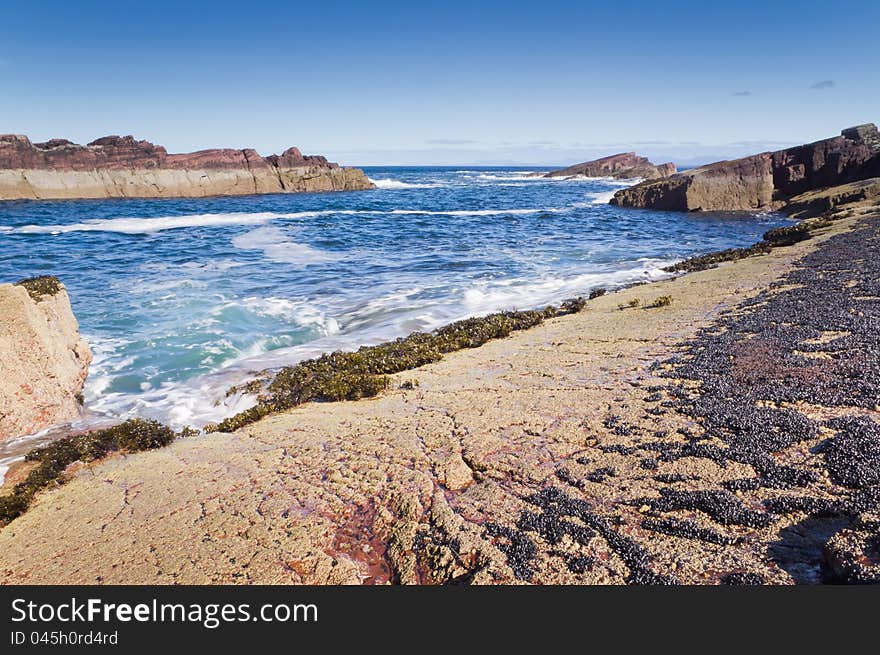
[(122, 166), (767, 180)]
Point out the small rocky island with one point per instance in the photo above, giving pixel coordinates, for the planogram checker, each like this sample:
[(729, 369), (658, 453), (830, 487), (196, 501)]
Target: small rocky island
[(769, 180), (622, 166), (124, 167)]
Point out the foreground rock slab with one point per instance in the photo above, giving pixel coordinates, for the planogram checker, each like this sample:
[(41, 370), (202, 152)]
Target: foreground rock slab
[(124, 167), (43, 358)]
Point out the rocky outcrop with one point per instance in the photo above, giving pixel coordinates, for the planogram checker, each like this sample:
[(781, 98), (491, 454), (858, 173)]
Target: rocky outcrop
[(864, 193), (123, 167), (625, 166), (43, 358), (764, 181)]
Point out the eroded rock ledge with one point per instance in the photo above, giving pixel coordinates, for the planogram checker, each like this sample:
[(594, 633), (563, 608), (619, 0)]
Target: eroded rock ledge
[(764, 181), (124, 167)]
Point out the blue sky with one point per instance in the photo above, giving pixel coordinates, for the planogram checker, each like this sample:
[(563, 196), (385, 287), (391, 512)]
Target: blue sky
[(449, 83)]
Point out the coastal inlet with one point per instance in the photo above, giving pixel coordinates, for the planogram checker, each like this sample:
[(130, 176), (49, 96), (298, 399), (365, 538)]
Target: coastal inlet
[(180, 299)]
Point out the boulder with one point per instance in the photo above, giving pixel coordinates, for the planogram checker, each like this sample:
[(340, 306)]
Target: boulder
[(625, 165), (44, 359), (764, 181)]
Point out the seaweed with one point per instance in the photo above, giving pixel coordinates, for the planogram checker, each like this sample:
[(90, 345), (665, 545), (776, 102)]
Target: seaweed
[(712, 259), (43, 285), (776, 238), (52, 460), (363, 373), (792, 234)]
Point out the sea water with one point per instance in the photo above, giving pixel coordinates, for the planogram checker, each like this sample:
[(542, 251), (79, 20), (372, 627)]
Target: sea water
[(182, 298)]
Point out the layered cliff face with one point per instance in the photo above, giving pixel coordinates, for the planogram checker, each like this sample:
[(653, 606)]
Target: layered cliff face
[(123, 167), (764, 181), (626, 166), (43, 359)]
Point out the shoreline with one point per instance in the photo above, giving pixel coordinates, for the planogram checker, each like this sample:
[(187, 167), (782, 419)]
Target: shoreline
[(96, 421), (426, 456)]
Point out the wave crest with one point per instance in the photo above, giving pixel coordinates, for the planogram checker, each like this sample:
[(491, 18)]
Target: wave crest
[(398, 184), (128, 225), (279, 247)]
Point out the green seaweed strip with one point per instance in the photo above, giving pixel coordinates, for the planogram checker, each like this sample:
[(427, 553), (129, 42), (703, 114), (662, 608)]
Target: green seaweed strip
[(362, 374), (54, 458)]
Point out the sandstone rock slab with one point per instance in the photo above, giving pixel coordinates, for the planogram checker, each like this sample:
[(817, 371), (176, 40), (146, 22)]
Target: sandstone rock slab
[(43, 359)]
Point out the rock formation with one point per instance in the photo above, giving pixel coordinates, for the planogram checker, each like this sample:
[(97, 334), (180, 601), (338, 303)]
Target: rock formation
[(832, 199), (767, 180), (43, 358), (625, 165), (123, 167)]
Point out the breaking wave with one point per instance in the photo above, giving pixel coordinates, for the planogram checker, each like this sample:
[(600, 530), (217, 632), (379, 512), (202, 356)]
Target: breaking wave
[(398, 184), (161, 223), (277, 246)]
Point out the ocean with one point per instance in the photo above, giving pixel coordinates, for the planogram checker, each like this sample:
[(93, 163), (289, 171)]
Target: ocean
[(182, 298)]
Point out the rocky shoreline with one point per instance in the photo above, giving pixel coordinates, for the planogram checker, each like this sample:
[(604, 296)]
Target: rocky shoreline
[(499, 464), (124, 167), (720, 427)]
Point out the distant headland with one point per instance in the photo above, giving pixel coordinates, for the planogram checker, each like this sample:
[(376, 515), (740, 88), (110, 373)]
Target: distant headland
[(124, 167)]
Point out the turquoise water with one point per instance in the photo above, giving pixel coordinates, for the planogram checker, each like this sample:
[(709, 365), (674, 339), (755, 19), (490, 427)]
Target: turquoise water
[(179, 299)]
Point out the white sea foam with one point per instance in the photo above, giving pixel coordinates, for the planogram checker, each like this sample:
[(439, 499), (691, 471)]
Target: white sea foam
[(13, 450), (526, 293), (197, 268), (295, 312), (602, 198), (388, 315), (398, 184), (279, 247), (523, 178), (507, 177), (160, 223), (202, 399), (532, 177), (476, 212), (132, 225)]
